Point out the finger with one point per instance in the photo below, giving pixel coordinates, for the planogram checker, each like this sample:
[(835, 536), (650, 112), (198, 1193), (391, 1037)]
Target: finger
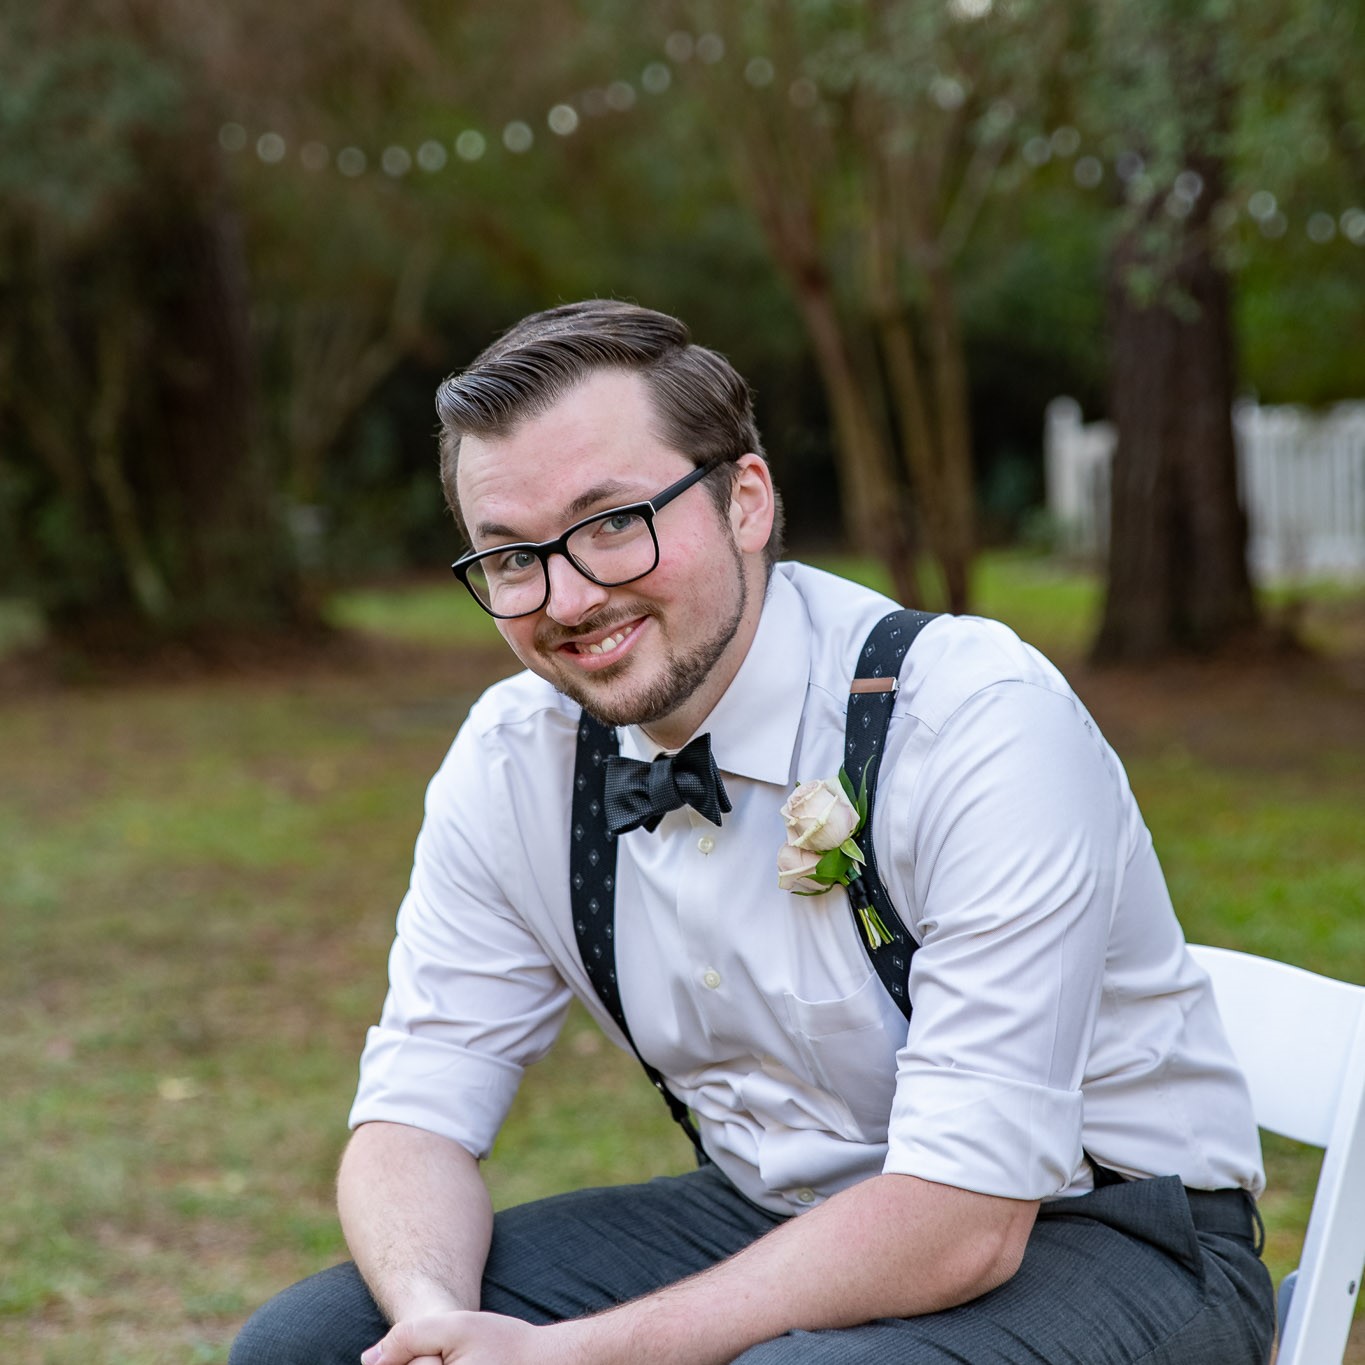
[(416, 1341), (390, 1350)]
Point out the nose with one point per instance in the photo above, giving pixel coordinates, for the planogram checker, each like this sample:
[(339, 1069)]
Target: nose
[(573, 597)]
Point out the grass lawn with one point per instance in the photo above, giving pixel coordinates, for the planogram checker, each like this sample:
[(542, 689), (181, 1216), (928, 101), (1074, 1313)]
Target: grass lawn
[(197, 888)]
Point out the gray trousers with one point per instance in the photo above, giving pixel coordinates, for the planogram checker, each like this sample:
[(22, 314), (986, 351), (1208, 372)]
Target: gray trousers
[(1142, 1271)]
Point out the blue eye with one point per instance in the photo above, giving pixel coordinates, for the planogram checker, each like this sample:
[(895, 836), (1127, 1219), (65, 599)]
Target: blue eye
[(513, 564)]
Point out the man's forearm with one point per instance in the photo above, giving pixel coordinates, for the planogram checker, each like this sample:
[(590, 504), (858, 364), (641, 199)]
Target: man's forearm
[(893, 1246), (417, 1218)]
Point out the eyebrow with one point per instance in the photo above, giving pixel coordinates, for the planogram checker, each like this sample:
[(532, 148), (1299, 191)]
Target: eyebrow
[(611, 492)]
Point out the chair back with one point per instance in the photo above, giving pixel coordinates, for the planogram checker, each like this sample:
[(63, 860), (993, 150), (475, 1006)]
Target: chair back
[(1300, 1040)]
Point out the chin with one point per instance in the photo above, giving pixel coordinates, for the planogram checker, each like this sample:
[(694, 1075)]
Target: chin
[(612, 705)]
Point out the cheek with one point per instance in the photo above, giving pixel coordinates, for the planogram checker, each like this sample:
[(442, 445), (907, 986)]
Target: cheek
[(694, 562), (520, 638)]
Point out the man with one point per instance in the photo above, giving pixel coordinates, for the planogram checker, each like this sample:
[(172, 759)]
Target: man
[(1054, 1161)]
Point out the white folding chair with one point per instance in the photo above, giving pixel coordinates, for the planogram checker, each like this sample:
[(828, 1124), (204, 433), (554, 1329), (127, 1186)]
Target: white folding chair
[(1300, 1039)]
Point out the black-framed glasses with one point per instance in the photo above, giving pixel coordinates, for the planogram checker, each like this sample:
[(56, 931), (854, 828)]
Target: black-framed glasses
[(609, 548)]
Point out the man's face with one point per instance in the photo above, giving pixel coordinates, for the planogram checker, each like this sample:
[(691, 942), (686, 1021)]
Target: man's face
[(660, 651)]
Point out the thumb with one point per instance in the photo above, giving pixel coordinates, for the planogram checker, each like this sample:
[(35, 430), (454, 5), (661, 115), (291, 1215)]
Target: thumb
[(412, 1342)]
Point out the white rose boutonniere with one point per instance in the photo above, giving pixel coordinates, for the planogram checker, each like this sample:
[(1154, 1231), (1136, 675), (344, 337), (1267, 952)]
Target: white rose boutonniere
[(822, 818)]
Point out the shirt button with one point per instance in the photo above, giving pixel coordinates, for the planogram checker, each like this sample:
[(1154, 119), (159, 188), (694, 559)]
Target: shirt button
[(706, 843), (710, 978), (806, 1196)]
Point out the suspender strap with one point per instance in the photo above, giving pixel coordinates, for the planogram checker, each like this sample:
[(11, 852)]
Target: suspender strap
[(871, 697), (592, 886), (872, 694)]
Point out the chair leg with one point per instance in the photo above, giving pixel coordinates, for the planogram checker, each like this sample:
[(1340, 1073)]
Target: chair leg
[(1284, 1298)]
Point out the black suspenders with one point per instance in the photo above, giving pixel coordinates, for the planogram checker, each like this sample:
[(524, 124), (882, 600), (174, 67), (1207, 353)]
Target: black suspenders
[(871, 696), (592, 887), (592, 851)]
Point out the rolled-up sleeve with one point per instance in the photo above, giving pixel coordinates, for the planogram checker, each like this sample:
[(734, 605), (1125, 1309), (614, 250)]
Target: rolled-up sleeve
[(473, 999), (1015, 832)]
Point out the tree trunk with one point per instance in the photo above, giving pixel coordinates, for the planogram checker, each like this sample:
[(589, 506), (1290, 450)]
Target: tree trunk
[(867, 484), (230, 561), (1178, 578), (955, 498), (874, 521)]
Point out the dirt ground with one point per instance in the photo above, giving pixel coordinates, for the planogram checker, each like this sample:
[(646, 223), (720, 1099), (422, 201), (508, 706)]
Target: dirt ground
[(1268, 711)]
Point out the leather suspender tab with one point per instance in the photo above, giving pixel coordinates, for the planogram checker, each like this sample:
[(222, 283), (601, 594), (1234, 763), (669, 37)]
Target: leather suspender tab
[(873, 685)]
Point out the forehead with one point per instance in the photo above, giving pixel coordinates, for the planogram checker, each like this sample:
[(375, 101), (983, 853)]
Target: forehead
[(596, 445)]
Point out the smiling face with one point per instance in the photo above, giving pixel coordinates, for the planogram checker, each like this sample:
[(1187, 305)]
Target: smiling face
[(658, 652)]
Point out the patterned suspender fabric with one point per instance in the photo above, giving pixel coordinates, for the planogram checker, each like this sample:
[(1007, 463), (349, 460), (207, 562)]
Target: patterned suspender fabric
[(592, 851), (871, 696), (592, 885)]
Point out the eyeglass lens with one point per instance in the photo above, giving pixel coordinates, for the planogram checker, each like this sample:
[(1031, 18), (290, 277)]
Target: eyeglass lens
[(612, 549)]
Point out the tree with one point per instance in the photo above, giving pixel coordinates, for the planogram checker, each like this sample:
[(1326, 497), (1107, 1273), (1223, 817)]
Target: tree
[(393, 225), (132, 499), (1299, 155), (1177, 577), (868, 138)]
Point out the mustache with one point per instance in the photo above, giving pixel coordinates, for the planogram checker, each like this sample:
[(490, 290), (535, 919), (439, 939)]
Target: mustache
[(551, 634)]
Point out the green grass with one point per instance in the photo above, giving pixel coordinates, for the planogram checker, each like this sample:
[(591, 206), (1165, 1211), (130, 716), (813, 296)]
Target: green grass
[(20, 625), (434, 613), (1045, 601), (197, 889)]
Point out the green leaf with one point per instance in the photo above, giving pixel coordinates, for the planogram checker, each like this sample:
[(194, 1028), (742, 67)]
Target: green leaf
[(851, 850), (848, 787), (833, 866), (861, 802)]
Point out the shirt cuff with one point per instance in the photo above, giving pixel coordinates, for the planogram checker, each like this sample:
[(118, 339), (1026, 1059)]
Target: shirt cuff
[(984, 1133), (438, 1086)]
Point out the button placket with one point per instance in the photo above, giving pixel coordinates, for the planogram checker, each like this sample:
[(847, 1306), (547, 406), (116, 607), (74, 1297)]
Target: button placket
[(700, 896)]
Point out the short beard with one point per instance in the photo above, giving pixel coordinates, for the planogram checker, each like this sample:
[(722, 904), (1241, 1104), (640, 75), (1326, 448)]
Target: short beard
[(682, 674)]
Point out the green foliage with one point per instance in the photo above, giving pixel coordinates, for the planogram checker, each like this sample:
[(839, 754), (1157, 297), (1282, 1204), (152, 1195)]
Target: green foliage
[(77, 122), (132, 506), (363, 291)]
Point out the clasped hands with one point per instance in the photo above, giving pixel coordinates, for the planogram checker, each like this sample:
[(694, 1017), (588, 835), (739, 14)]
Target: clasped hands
[(468, 1338)]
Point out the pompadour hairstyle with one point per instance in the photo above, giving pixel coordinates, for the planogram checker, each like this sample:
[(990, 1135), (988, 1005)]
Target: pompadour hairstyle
[(703, 406)]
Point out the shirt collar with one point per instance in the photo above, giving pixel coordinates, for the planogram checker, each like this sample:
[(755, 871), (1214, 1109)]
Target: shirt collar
[(754, 726)]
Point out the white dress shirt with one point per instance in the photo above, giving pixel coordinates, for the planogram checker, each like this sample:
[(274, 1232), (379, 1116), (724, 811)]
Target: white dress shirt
[(1056, 1010)]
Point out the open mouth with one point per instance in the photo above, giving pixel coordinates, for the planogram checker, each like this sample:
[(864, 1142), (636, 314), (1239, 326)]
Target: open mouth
[(607, 645), (604, 648)]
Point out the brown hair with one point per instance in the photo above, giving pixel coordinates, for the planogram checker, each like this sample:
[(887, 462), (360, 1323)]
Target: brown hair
[(704, 407)]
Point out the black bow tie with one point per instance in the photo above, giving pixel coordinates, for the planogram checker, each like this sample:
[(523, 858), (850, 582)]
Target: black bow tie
[(639, 793)]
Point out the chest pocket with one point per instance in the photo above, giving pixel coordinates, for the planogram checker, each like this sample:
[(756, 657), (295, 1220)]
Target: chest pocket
[(850, 1046)]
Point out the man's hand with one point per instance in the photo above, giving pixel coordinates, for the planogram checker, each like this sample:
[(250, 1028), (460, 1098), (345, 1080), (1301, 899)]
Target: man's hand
[(468, 1339)]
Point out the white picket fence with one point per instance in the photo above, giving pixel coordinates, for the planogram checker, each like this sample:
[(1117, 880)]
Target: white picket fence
[(1301, 478)]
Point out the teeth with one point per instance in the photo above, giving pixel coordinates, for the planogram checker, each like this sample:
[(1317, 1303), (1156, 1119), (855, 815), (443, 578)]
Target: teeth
[(607, 645)]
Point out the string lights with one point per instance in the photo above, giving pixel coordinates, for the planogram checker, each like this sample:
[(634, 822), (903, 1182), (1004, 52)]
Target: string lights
[(563, 119)]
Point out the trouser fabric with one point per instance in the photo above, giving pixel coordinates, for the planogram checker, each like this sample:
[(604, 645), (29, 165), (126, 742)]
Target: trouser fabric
[(1144, 1271)]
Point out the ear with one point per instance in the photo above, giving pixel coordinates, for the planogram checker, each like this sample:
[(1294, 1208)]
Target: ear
[(752, 504)]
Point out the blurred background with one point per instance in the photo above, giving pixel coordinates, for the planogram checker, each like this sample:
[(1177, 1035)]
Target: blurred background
[(1053, 312)]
